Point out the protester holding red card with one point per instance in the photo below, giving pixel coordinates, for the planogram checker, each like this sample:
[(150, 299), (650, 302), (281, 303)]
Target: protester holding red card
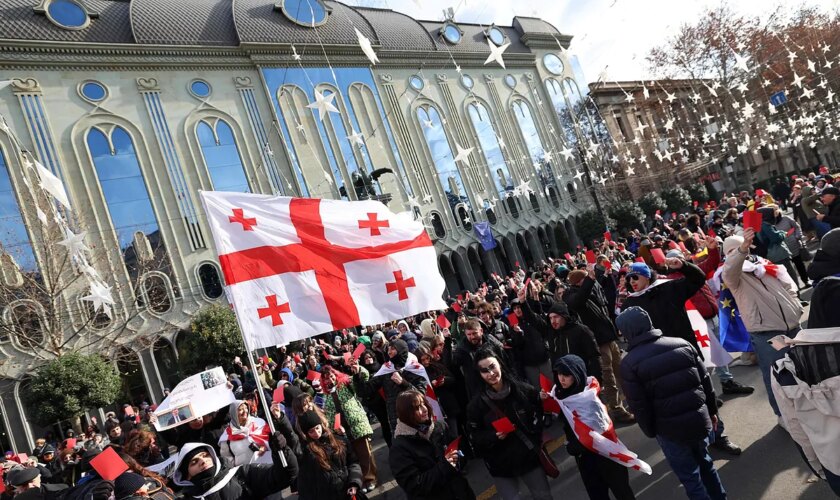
[(510, 445), (423, 460)]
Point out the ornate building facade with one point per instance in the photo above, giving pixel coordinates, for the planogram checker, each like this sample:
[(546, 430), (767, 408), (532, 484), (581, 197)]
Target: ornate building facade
[(137, 105)]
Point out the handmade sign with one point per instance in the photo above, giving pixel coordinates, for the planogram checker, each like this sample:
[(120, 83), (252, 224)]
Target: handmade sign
[(194, 397)]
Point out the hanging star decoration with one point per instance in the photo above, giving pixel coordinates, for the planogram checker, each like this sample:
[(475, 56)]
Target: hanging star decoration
[(463, 154), (295, 55), (741, 62), (101, 297), (323, 104), (496, 53), (356, 138), (75, 243), (364, 43), (579, 175)]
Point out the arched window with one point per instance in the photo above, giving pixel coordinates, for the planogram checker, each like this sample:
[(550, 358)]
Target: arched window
[(488, 138), (533, 142), (362, 185), (571, 189), (535, 202), (221, 156), (437, 225), (126, 196), (553, 196), (14, 240), (561, 107), (157, 292), (27, 325), (490, 212), (131, 374), (578, 106), (443, 158), (167, 363), (211, 282)]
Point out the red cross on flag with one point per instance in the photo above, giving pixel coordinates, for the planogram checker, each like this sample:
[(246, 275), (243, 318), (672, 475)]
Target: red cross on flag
[(713, 353), (297, 267)]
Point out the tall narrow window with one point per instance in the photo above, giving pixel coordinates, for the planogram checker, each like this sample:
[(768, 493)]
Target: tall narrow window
[(14, 240), (221, 155), (126, 196), (443, 158), (359, 178), (490, 146), (533, 141), (561, 107)]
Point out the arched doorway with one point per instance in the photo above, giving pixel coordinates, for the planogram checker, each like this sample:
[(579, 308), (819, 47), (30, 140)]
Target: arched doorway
[(511, 255), (167, 363), (524, 250), (570, 230), (547, 244), (479, 269), (534, 246), (562, 239), (134, 388), (501, 258), (462, 270), (448, 273)]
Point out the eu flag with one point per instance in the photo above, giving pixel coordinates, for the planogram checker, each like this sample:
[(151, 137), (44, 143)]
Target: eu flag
[(733, 335), (485, 235)]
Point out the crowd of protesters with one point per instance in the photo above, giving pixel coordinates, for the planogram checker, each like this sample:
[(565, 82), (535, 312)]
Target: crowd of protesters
[(613, 314)]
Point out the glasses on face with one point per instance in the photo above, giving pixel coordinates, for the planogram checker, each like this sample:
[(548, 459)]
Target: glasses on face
[(488, 369), (633, 277)]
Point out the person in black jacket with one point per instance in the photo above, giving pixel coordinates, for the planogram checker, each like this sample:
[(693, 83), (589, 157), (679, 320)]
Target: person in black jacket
[(600, 475), (825, 271), (511, 457), (328, 468), (199, 471), (671, 394), (529, 344), (464, 355), (418, 459), (564, 335), (585, 297)]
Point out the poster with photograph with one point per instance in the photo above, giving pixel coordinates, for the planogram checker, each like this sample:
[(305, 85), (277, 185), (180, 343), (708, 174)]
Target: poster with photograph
[(194, 397)]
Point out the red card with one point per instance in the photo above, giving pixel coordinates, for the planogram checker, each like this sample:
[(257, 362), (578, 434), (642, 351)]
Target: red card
[(442, 321), (672, 245), (590, 257), (502, 425), (278, 396), (568, 256), (456, 307), (358, 351), (657, 255), (346, 356), (695, 203), (639, 259), (752, 219), (607, 236), (791, 231), (545, 384), (69, 443), (312, 375), (517, 263), (551, 405), (454, 445), (21, 458), (337, 424), (460, 298), (264, 360), (527, 280), (2, 483), (711, 233), (108, 464), (512, 319), (297, 358)]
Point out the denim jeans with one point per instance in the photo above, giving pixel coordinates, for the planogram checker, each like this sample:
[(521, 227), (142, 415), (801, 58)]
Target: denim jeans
[(694, 467), (536, 481), (767, 355)]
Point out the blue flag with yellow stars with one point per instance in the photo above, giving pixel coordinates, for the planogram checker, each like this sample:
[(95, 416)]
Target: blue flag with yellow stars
[(733, 335)]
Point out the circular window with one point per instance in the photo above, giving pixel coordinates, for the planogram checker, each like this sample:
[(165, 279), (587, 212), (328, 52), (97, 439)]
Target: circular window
[(496, 35), (67, 14), (416, 83), (451, 33), (510, 81), (200, 88), (305, 12), (553, 64), (467, 82), (93, 91)]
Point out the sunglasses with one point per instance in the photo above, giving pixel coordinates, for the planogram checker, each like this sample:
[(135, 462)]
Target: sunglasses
[(633, 277), (489, 369)]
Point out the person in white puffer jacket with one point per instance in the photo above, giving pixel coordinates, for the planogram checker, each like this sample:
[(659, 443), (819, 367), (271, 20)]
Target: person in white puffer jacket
[(245, 439)]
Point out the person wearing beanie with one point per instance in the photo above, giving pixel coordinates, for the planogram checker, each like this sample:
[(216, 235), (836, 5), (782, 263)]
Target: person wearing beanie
[(830, 198), (767, 301), (599, 474), (201, 475), (328, 467), (392, 378), (587, 298), (129, 484), (825, 271), (671, 394)]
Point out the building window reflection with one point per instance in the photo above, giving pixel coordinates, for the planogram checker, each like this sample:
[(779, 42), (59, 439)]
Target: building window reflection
[(211, 282), (27, 324), (490, 147), (449, 175), (221, 156), (14, 240), (561, 107)]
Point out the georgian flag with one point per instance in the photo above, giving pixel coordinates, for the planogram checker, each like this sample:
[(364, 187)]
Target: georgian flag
[(414, 366), (591, 423), (297, 267), (713, 353)]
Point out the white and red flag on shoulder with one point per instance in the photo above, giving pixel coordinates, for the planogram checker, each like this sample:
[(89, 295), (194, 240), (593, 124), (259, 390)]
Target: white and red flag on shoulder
[(297, 267), (414, 366), (713, 353), (591, 423)]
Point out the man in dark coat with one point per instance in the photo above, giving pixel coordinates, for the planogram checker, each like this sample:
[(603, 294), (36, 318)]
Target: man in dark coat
[(464, 355), (27, 481), (830, 197), (825, 271), (671, 394)]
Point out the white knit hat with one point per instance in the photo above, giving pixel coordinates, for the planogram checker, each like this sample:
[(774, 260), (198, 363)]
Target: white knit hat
[(731, 244)]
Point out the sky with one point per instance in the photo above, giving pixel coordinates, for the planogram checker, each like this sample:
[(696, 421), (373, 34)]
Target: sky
[(609, 35)]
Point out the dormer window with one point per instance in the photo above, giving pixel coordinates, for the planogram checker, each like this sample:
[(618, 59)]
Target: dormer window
[(309, 13), (496, 35), (451, 33), (66, 14)]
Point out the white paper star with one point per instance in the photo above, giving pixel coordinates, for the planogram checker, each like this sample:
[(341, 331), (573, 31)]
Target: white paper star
[(630, 171), (579, 175), (463, 154), (75, 243), (669, 124), (567, 153), (628, 98), (797, 80), (101, 297), (496, 53), (741, 62), (364, 43), (356, 138), (670, 97), (52, 184), (548, 156), (295, 55), (807, 93), (323, 104)]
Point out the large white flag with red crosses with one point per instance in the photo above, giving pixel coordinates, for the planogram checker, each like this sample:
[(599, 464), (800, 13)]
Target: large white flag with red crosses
[(297, 267), (713, 353)]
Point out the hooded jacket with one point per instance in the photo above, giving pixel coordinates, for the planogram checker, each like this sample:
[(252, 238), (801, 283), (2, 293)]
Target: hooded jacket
[(528, 344), (237, 441), (574, 366), (665, 382), (419, 467), (254, 481)]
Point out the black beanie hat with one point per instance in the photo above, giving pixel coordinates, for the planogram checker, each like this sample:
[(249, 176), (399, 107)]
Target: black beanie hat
[(309, 420), (127, 483), (185, 463)]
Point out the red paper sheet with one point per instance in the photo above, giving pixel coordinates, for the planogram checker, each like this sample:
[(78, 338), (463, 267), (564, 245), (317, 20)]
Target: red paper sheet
[(512, 319), (337, 424), (683, 248), (551, 405), (312, 375), (752, 219), (568, 256), (545, 383), (590, 257), (504, 425), (456, 307), (278, 396), (672, 245), (711, 232), (657, 255), (346, 356), (442, 321), (454, 445), (358, 351), (108, 464), (639, 259), (607, 236), (791, 231)]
